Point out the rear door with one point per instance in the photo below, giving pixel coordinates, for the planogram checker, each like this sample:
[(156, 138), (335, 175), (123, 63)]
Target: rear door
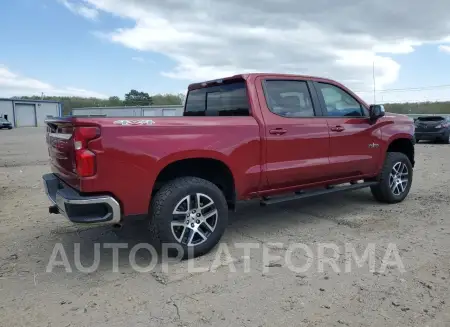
[(296, 135), (354, 140)]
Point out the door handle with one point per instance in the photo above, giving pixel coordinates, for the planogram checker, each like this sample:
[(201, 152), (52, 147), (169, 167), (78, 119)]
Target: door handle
[(278, 131), (337, 128)]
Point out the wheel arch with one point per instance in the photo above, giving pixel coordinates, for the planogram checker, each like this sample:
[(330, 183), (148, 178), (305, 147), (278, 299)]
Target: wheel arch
[(209, 166), (403, 144)]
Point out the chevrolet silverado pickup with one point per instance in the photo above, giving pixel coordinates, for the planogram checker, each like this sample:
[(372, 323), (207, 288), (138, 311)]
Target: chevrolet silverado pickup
[(272, 137)]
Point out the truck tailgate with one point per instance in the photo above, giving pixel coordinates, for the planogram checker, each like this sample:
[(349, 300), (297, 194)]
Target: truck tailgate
[(60, 145)]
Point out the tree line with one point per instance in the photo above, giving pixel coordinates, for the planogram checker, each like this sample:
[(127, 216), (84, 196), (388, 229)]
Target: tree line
[(132, 98), (139, 98), (442, 107)]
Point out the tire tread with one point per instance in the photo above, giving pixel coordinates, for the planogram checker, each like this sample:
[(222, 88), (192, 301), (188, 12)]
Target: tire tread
[(382, 192), (157, 219)]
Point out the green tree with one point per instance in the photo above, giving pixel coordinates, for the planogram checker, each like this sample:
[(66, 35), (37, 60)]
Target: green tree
[(114, 101), (136, 98), (167, 99)]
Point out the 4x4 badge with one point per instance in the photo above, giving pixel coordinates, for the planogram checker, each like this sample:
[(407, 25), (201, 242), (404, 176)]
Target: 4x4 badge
[(374, 145), (134, 122)]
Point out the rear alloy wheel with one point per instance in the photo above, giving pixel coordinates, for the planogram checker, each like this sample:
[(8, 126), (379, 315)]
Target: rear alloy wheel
[(395, 179), (194, 219), (190, 212)]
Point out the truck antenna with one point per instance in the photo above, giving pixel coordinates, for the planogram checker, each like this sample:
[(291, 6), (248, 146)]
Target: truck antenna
[(374, 85)]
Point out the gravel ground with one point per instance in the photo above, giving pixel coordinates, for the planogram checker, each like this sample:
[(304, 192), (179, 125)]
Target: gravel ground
[(265, 295)]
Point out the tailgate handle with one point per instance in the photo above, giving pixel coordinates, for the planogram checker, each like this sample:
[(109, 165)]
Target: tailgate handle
[(337, 128), (278, 131)]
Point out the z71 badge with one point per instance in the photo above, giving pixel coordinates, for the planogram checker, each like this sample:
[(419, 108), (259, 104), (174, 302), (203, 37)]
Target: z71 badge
[(134, 122)]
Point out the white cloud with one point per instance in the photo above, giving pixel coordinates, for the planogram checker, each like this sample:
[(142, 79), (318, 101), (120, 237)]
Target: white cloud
[(444, 48), (12, 84), (211, 38), (80, 9)]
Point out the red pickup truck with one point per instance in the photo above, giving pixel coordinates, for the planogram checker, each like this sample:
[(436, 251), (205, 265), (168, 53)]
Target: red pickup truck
[(267, 136)]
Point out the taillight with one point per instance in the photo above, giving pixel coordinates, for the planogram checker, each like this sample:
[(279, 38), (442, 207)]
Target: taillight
[(85, 163)]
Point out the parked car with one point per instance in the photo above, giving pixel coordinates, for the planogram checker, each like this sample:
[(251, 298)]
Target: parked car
[(433, 128), (268, 136), (5, 123)]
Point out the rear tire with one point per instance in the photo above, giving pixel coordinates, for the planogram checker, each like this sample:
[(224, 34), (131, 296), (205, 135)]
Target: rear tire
[(190, 212), (395, 179)]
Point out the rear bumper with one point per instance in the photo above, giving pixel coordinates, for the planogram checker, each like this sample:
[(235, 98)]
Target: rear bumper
[(430, 135), (78, 208)]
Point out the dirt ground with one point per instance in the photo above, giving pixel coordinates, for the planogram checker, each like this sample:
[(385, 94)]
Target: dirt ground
[(266, 295)]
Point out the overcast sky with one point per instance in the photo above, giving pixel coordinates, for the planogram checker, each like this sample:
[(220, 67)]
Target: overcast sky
[(106, 47)]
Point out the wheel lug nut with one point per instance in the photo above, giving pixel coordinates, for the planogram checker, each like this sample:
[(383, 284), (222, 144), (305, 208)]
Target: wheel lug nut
[(198, 221), (193, 211), (198, 215), (192, 225)]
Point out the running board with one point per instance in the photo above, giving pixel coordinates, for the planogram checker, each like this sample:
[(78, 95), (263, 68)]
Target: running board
[(306, 194)]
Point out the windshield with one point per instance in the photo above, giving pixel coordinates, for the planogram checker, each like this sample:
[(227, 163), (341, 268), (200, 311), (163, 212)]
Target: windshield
[(3, 120)]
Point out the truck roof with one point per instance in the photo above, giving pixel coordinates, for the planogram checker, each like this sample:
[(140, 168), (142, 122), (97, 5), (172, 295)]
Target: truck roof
[(248, 75)]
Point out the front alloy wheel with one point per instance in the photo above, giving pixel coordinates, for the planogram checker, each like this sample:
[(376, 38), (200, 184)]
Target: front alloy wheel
[(194, 219), (395, 179), (398, 178)]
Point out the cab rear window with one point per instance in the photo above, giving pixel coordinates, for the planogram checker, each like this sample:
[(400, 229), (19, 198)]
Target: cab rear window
[(219, 100)]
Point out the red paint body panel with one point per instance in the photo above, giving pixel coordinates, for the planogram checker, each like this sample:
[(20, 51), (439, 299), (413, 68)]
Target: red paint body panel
[(309, 154), (131, 157), (299, 156), (393, 127), (350, 154)]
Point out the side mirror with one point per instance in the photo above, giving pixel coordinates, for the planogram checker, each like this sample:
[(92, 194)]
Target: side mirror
[(376, 111)]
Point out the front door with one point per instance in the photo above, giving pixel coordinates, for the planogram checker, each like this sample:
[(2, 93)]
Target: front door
[(296, 136), (354, 141)]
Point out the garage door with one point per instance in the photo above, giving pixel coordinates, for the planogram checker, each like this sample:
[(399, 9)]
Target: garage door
[(169, 112), (151, 112), (25, 115)]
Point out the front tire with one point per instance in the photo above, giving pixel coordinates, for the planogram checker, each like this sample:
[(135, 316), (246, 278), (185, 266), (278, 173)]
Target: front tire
[(395, 179), (190, 212)]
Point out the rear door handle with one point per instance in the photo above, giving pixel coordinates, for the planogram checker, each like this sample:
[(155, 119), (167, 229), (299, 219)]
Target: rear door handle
[(337, 128), (278, 131)]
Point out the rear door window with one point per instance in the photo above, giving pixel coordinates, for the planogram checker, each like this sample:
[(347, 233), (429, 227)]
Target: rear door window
[(220, 100), (289, 98)]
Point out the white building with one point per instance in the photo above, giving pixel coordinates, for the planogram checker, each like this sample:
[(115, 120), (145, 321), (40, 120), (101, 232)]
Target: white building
[(140, 111), (29, 113)]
